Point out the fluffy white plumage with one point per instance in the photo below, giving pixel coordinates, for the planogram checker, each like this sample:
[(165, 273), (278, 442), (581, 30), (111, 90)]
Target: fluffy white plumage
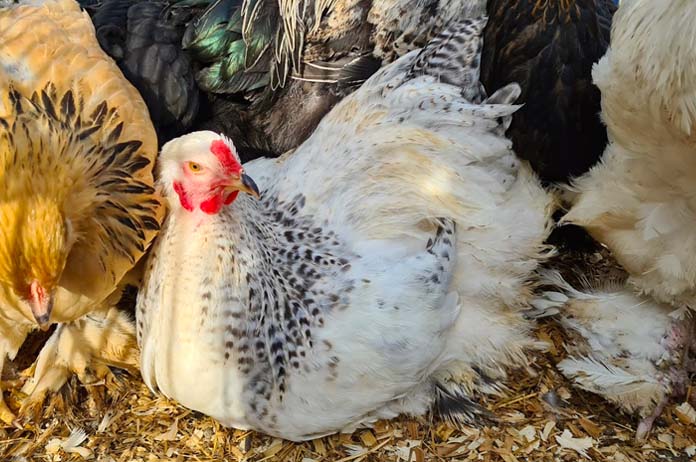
[(346, 294), (640, 200), (624, 347)]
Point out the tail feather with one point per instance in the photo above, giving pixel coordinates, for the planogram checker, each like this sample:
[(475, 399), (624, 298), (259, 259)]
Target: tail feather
[(454, 57), (506, 96), (226, 77), (235, 39), (454, 406), (218, 18)]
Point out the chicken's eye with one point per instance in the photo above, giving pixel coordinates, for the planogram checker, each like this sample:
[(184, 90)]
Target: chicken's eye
[(194, 167)]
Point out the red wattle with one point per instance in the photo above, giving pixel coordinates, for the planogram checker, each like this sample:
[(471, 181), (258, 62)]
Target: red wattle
[(213, 205), (231, 197)]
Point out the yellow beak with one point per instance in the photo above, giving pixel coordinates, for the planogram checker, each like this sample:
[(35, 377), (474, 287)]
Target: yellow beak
[(243, 183)]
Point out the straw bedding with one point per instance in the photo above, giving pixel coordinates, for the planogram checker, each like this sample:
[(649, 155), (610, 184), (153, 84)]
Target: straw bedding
[(542, 418)]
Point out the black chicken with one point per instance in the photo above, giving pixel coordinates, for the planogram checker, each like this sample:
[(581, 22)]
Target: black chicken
[(145, 40), (549, 47)]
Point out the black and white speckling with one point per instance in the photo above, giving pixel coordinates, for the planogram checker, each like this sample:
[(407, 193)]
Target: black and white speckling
[(289, 256), (340, 297), (281, 275), (454, 57)]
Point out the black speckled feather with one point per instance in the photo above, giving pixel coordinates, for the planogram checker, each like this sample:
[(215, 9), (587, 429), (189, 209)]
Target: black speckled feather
[(454, 57)]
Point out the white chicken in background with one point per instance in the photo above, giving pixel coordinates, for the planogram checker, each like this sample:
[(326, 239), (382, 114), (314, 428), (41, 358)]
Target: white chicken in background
[(639, 201), (384, 270)]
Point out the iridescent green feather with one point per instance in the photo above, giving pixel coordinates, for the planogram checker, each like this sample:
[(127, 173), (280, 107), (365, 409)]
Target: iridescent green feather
[(216, 15), (214, 43), (251, 43), (234, 37), (258, 38), (210, 79)]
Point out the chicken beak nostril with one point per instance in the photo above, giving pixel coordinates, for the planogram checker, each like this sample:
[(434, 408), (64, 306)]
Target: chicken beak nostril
[(43, 321), (42, 313)]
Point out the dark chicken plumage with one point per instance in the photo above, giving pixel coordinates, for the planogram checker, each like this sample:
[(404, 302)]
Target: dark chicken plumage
[(144, 38), (549, 47), (264, 72), (213, 65)]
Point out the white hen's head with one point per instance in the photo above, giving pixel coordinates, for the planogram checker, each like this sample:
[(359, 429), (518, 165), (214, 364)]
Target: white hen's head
[(201, 171)]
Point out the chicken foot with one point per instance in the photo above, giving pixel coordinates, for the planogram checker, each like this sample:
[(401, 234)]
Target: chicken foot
[(646, 423), (680, 338), (85, 347)]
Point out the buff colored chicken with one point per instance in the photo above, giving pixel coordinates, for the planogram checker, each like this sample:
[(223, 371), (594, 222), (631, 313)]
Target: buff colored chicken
[(77, 203)]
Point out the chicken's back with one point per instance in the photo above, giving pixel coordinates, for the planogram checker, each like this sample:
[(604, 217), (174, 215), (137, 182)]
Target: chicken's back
[(144, 38), (648, 76), (53, 41), (549, 49), (406, 149)]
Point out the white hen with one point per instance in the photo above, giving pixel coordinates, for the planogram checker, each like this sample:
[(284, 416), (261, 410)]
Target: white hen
[(383, 271), (640, 200)]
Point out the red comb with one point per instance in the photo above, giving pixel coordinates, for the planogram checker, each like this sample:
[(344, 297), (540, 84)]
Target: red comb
[(224, 154)]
